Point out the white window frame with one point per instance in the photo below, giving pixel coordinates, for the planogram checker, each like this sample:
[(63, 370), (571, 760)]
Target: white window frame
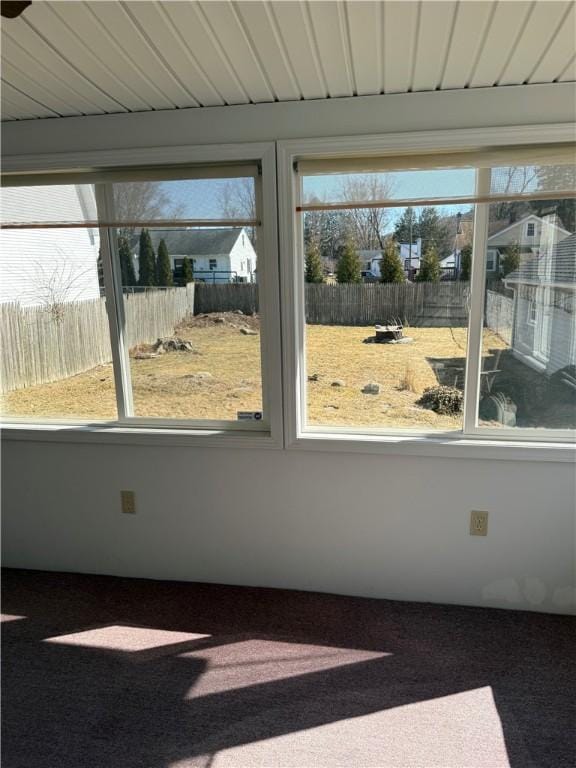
[(131, 429), (472, 440)]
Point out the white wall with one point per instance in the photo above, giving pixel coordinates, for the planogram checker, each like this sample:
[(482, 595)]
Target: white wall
[(384, 526), (355, 524)]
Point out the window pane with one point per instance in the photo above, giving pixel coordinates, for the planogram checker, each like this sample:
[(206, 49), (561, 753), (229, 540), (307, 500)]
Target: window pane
[(195, 199), (55, 355), (528, 375), (50, 204), (387, 299), (393, 185), (193, 328)]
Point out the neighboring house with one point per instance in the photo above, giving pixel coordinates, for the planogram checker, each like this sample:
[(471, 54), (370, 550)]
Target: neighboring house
[(216, 255), (370, 265), (527, 233), (544, 309), (409, 256), (48, 266)]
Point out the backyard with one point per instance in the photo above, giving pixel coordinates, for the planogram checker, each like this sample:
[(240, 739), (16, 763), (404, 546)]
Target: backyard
[(221, 376)]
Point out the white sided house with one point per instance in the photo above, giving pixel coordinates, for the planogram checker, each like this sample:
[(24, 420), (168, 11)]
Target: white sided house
[(409, 256), (528, 233), (223, 255), (543, 328), (45, 267)]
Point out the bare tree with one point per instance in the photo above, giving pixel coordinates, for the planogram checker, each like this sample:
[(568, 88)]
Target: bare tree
[(142, 201), (237, 199), (367, 225), (54, 286)]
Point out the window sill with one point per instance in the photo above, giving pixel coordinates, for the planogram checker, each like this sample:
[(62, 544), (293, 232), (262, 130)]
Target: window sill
[(145, 436), (436, 446)]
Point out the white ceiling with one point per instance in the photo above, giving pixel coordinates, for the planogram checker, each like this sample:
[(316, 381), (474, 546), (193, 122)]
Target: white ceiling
[(75, 58)]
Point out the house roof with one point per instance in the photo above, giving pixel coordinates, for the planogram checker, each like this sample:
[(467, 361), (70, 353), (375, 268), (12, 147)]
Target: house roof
[(497, 228), (563, 260), (197, 242)]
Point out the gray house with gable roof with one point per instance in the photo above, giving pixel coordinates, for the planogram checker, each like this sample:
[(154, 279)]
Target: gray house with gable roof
[(544, 326)]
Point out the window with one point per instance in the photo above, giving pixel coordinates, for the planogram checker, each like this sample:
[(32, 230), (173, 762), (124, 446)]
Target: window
[(530, 229), (440, 349), (528, 348), (116, 328)]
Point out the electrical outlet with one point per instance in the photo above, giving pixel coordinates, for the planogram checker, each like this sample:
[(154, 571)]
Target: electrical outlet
[(478, 523), (128, 501)]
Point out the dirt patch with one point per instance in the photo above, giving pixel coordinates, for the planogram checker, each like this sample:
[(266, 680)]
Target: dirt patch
[(236, 320)]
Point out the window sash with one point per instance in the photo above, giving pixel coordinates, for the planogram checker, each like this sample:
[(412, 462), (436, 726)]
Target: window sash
[(107, 224), (481, 201)]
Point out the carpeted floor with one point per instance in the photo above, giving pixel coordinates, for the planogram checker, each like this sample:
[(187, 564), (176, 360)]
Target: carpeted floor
[(101, 672)]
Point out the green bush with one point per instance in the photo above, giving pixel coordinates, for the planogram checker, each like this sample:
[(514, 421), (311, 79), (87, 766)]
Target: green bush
[(443, 400)]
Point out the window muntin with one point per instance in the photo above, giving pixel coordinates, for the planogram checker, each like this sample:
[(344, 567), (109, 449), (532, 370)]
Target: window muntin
[(322, 191)]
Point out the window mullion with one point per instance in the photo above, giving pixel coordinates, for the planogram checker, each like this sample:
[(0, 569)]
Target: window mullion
[(114, 303), (476, 315)]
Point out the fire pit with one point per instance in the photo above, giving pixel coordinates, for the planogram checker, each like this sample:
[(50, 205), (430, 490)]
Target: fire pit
[(391, 333)]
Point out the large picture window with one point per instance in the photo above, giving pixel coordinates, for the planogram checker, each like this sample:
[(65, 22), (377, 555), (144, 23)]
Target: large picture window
[(134, 297), (437, 293)]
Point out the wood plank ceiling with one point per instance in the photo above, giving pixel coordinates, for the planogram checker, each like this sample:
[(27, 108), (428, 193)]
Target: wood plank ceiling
[(79, 58)]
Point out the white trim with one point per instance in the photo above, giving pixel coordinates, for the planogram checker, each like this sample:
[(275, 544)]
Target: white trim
[(270, 341), (297, 434), (115, 306), (115, 434), (476, 316), (460, 447)]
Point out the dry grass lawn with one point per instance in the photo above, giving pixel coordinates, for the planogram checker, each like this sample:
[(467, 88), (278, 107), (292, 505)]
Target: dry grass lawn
[(223, 377)]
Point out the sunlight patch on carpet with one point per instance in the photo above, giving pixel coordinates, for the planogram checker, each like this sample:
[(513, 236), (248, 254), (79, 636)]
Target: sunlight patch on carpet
[(124, 638), (462, 729), (253, 662)]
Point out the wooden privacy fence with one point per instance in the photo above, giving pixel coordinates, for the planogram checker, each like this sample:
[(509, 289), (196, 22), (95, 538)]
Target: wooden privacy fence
[(418, 304), (436, 304), (499, 315), (226, 297), (425, 304), (39, 344)]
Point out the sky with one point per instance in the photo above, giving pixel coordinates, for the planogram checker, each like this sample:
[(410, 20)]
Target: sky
[(404, 185)]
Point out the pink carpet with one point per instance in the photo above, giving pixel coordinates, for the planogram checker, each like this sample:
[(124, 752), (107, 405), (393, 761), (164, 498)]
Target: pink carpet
[(101, 672)]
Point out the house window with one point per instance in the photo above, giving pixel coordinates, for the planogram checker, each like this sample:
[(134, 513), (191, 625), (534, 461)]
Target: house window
[(530, 229), (430, 356), (132, 355), (532, 313)]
